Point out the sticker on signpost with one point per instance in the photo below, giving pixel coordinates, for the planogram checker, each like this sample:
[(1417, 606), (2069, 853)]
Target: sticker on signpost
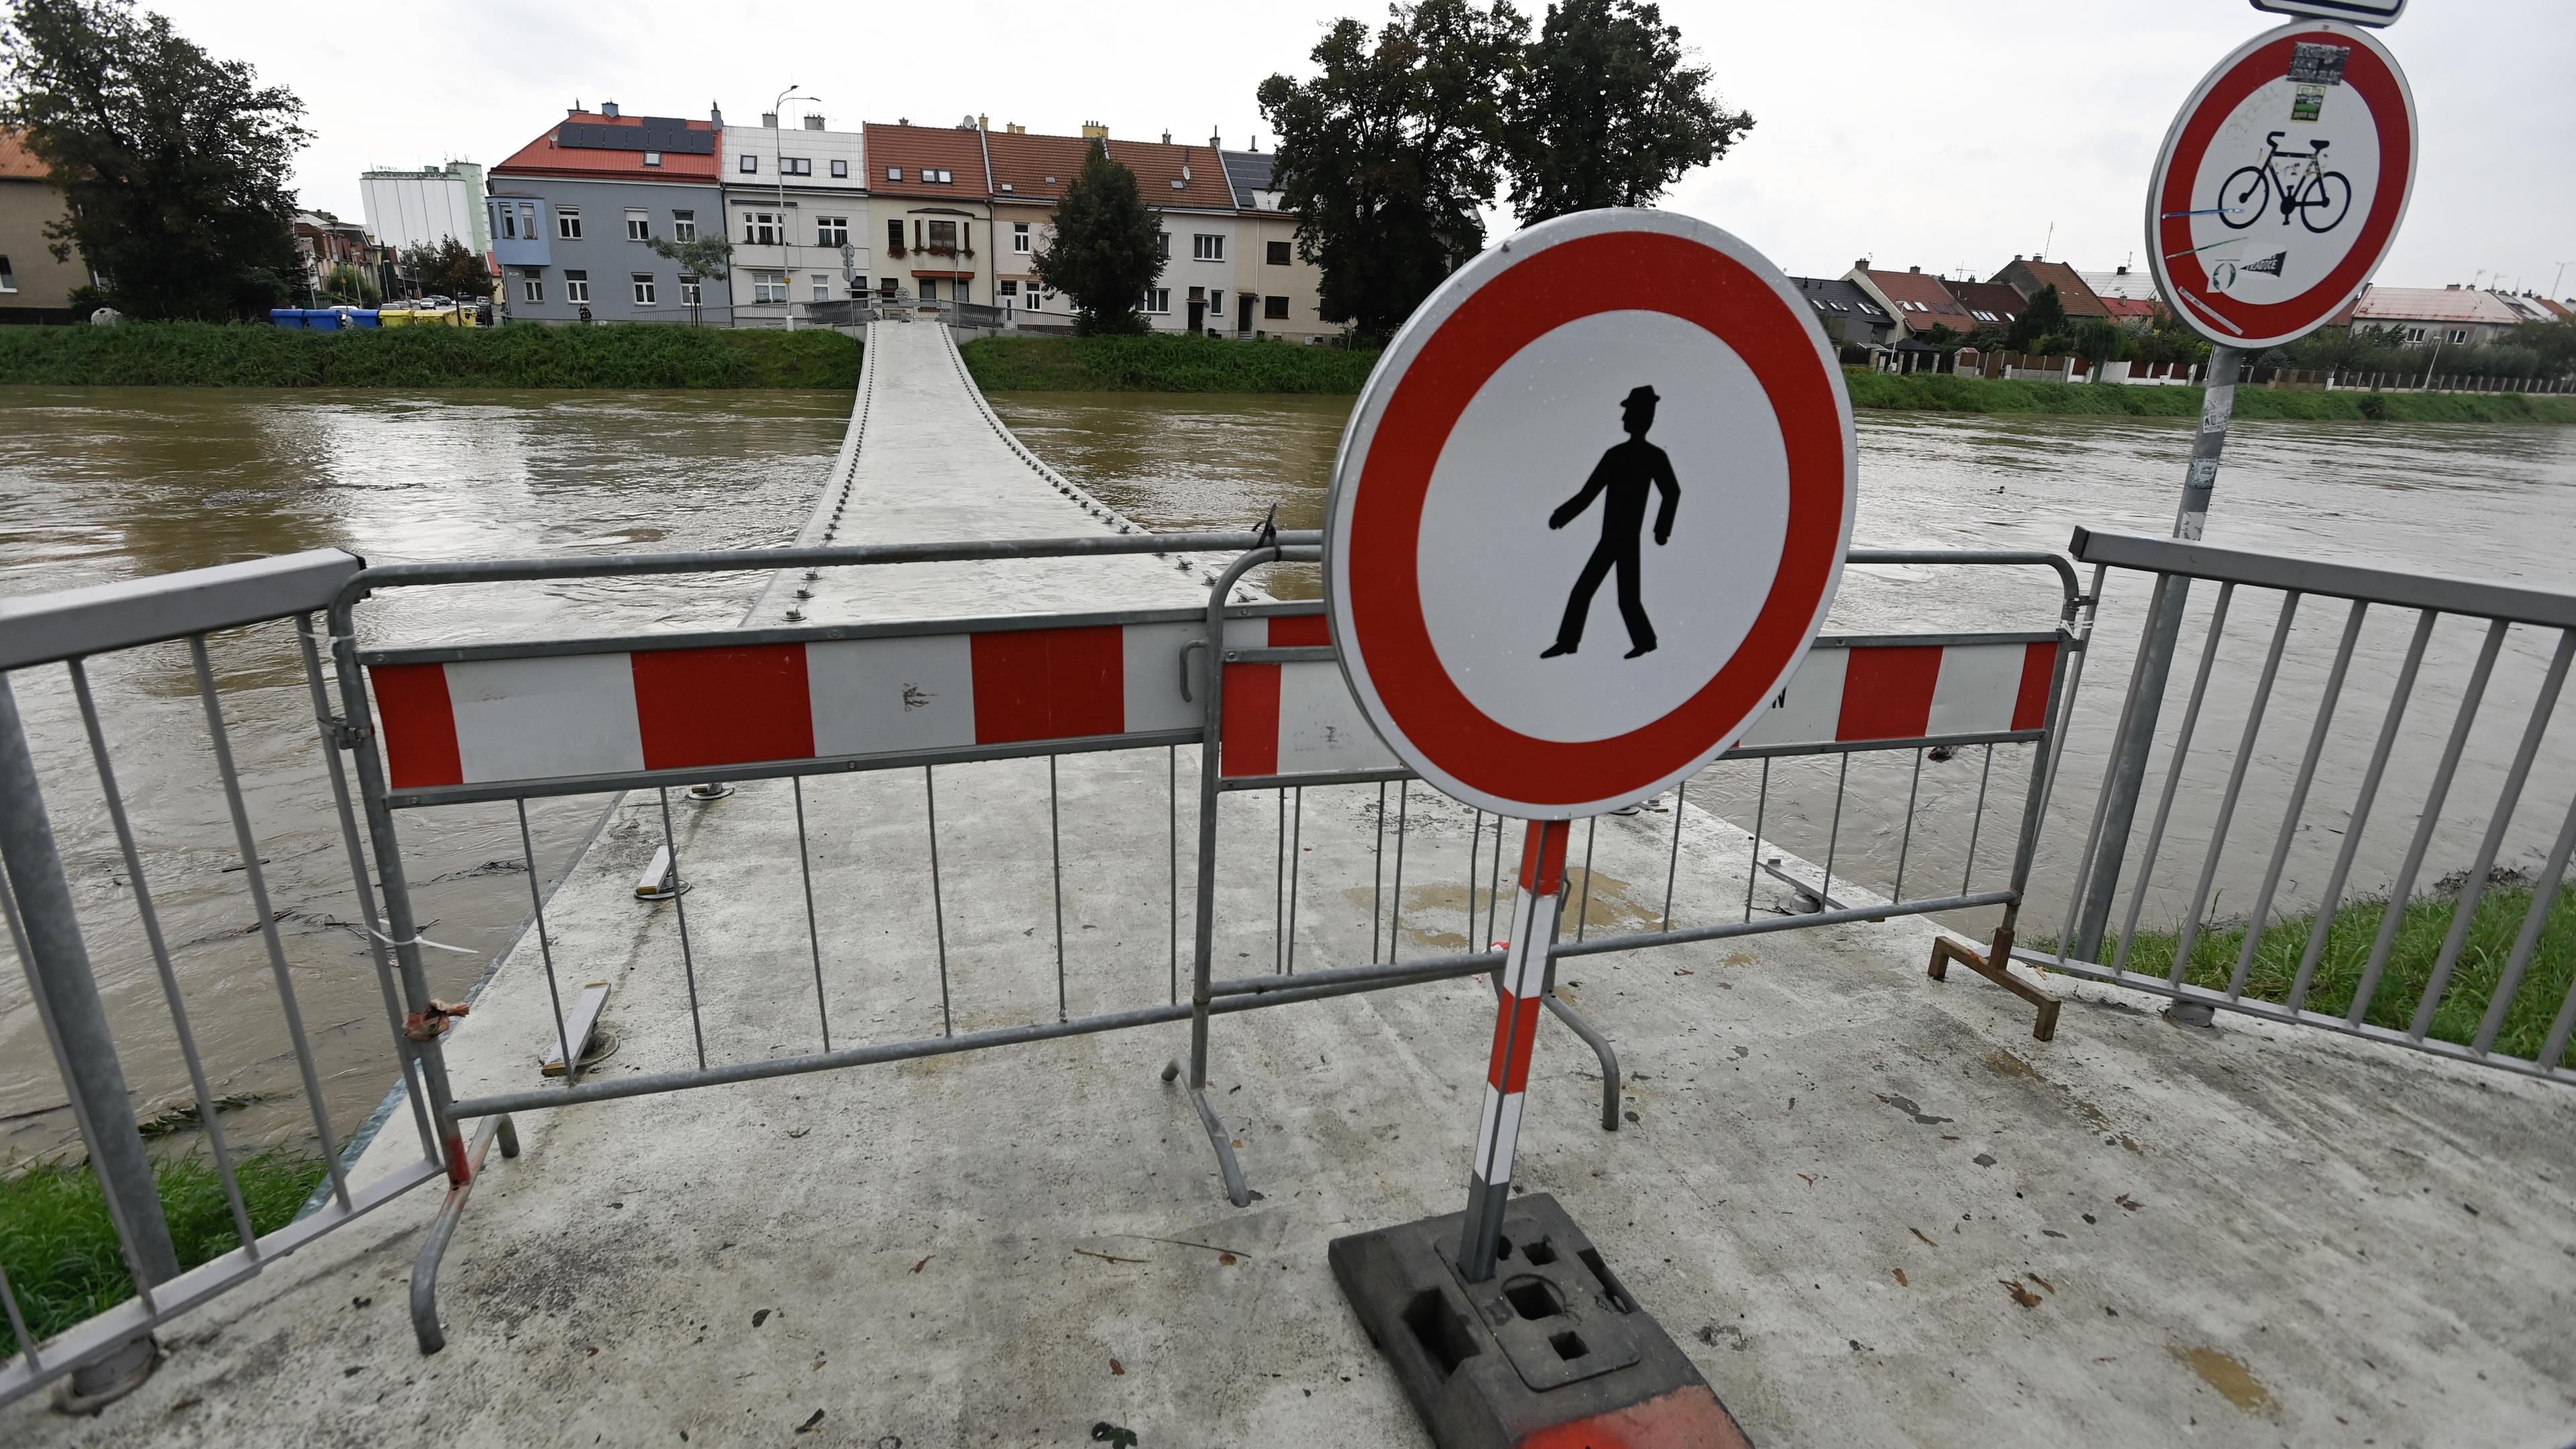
[(1589, 513), (2281, 184)]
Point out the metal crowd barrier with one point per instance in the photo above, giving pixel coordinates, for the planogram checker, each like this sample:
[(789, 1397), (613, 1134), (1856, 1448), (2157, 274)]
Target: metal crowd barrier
[(2507, 1001), (1251, 685)]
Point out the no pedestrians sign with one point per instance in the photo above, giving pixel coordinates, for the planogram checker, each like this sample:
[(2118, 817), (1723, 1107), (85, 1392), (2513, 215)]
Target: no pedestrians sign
[(2281, 184), (1589, 513)]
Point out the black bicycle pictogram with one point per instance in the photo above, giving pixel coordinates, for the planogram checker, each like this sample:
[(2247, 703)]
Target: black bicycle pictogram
[(2319, 197)]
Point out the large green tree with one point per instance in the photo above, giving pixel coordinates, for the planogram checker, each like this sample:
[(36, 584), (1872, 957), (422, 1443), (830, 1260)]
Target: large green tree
[(1389, 156), (2041, 323), (449, 269), (1608, 110), (173, 163), (1107, 249)]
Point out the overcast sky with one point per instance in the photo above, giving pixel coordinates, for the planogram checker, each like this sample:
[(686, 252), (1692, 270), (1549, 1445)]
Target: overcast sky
[(1945, 134)]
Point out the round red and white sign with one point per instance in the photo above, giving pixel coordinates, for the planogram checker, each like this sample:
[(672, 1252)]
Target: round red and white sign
[(2281, 184), (1589, 513)]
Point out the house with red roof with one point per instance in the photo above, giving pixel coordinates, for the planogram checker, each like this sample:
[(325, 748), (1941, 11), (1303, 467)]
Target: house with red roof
[(1917, 301), (574, 213), (2029, 276), (33, 286), (1989, 304)]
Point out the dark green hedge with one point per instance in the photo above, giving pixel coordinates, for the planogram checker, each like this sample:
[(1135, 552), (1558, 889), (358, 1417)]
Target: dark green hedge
[(1162, 364), (617, 355), (1936, 392)]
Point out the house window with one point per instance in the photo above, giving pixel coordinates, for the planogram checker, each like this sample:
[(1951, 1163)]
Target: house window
[(568, 223), (769, 286), (894, 238), (1020, 237), (2414, 334), (760, 228), (1158, 300), (693, 293), (684, 226), (929, 289), (532, 287), (528, 220), (1163, 244), (643, 282), (639, 225), (942, 175), (1275, 308), (748, 165), (8, 278), (2459, 334), (831, 231), (652, 158), (822, 287), (840, 168), (943, 239), (885, 286), (1011, 289), (577, 287), (509, 228), (795, 166), (894, 173), (1278, 253), (1206, 248)]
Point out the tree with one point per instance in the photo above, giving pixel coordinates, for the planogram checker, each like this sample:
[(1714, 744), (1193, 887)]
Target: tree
[(702, 256), (172, 162), (1107, 249), (2040, 322), (2098, 340), (1607, 112), (1389, 155), (449, 269)]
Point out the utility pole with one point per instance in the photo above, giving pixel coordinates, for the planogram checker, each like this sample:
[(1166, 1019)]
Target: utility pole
[(778, 163)]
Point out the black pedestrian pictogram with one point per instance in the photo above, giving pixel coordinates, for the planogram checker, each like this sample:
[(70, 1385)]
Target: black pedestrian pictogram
[(1621, 478)]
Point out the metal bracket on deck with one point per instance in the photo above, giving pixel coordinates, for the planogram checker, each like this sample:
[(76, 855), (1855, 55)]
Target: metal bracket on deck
[(1945, 951)]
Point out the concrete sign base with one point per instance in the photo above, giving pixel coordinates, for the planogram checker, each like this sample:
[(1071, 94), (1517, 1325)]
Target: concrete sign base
[(1550, 1351)]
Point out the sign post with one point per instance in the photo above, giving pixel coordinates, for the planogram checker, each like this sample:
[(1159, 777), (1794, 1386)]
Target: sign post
[(1579, 536), (2274, 198)]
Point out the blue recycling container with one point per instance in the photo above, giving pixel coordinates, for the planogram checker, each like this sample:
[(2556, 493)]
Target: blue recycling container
[(366, 317), (321, 319), (286, 317)]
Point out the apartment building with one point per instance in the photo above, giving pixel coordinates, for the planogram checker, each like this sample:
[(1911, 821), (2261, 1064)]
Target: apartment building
[(33, 286), (796, 207), (931, 211), (574, 212), (1276, 295)]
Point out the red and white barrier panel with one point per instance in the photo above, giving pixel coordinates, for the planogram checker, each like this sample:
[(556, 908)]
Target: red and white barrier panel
[(1300, 719), (530, 720), (1864, 692)]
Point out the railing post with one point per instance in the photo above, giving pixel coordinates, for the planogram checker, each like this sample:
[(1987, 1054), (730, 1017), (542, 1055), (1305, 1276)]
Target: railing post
[(2146, 700), (66, 995)]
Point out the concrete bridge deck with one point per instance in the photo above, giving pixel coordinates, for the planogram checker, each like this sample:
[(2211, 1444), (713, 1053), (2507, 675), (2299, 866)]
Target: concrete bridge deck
[(1869, 1206)]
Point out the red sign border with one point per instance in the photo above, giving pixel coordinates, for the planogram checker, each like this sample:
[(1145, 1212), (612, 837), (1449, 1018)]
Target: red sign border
[(2375, 75), (1541, 280)]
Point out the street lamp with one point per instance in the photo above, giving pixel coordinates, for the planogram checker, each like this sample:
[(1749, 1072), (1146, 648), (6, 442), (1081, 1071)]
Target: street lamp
[(778, 165)]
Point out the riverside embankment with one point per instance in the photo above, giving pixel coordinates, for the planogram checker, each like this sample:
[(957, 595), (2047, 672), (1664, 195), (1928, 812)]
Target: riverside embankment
[(1869, 1206)]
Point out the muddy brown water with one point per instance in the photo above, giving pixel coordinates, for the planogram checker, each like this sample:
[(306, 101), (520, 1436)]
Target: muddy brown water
[(110, 484)]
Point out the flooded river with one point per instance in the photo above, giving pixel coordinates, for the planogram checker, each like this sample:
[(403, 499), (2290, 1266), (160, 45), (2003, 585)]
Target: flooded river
[(107, 484)]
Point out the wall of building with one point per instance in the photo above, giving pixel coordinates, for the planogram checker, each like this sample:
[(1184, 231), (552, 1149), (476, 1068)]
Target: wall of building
[(1189, 276), (38, 288), (1298, 283), (1014, 268), (603, 256), (801, 160), (406, 209)]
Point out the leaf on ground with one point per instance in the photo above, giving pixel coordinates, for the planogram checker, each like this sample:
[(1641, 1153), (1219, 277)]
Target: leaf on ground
[(2020, 1295), (1900, 1278), (1225, 1260), (808, 1426), (1116, 1367), (1927, 1242), (2042, 1282), (760, 1317), (924, 1263), (2123, 1200)]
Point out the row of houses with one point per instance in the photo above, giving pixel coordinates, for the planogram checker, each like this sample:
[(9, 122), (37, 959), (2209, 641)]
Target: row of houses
[(819, 215), (1900, 311)]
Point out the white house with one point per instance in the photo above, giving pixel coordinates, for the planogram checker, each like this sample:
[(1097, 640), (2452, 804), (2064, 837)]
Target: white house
[(796, 210)]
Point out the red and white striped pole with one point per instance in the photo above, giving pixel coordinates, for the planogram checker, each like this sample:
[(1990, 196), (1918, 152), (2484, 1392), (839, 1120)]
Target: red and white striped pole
[(1524, 976)]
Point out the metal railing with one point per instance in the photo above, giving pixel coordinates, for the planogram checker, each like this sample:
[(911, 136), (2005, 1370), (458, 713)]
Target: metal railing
[(2369, 691), (115, 632)]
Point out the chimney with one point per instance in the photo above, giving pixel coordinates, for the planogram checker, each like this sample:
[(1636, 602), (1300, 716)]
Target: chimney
[(608, 109), (983, 122), (2121, 270), (1861, 266), (813, 123), (1015, 128), (1918, 271), (715, 115), (1167, 138), (1215, 141), (576, 107), (769, 120), (1094, 131)]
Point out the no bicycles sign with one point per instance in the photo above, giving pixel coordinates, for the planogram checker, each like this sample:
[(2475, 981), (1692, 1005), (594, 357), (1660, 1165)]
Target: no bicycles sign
[(2281, 184), (1589, 513)]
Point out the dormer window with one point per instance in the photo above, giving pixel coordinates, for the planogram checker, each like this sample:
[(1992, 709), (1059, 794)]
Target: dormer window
[(894, 173), (652, 158)]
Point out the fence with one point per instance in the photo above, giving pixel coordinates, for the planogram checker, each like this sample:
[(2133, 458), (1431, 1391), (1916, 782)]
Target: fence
[(2343, 930)]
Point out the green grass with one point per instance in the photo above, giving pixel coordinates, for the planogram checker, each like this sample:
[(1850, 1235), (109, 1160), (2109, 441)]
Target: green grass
[(1938, 392), (616, 355), (2422, 926), (60, 1251), (1162, 364)]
